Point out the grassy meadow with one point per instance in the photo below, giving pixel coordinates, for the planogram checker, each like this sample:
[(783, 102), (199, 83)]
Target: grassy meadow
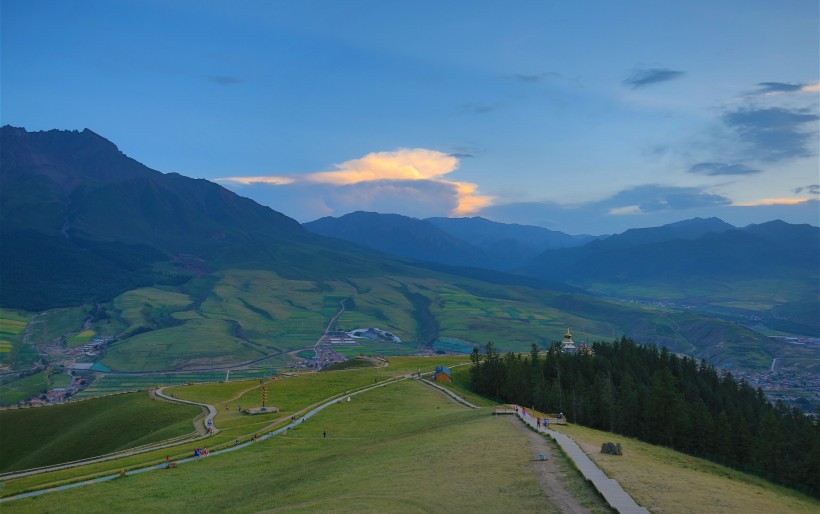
[(403, 447), (663, 480), (293, 394), (43, 436), (14, 354), (20, 389)]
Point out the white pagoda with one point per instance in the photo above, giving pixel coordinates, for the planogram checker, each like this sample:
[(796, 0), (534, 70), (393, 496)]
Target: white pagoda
[(567, 345)]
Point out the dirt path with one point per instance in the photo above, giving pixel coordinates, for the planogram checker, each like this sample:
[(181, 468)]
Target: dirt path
[(549, 472)]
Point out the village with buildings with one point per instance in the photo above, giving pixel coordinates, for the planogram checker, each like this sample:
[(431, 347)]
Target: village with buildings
[(791, 386)]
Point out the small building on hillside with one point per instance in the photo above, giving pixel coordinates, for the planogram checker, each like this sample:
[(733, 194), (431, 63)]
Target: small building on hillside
[(442, 374)]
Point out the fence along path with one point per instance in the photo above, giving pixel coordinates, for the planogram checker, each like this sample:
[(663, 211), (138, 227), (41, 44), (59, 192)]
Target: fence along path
[(610, 489)]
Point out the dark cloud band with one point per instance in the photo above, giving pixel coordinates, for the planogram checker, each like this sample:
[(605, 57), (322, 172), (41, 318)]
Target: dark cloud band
[(720, 168), (645, 77)]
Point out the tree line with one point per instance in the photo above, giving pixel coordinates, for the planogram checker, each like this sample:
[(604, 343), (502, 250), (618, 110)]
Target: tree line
[(654, 395)]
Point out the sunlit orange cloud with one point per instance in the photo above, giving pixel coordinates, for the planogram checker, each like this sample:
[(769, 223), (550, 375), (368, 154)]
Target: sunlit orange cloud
[(773, 201), (403, 164), (468, 202), (811, 88)]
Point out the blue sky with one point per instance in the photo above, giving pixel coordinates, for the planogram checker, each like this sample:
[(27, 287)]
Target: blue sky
[(586, 117)]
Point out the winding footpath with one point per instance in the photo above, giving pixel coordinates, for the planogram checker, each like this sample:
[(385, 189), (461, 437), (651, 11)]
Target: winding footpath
[(167, 443), (610, 489), (212, 413)]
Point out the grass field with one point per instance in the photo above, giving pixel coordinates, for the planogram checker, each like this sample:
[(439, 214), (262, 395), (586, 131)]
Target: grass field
[(403, 447), (14, 353), (80, 338), (109, 384), (24, 388), (48, 435), (198, 342), (395, 449), (55, 324), (663, 480), (140, 307), (234, 316)]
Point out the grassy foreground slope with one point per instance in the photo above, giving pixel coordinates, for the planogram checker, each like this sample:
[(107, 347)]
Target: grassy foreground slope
[(61, 433), (663, 480), (404, 447)]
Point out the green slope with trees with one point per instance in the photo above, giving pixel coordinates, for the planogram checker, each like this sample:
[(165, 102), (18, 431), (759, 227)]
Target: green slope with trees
[(641, 391)]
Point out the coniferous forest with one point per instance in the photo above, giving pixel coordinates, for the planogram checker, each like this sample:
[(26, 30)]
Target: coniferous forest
[(658, 397)]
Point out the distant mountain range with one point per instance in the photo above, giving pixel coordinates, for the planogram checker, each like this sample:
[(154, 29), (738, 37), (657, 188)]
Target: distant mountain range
[(81, 223), (402, 236), (707, 263), (706, 248), (473, 242)]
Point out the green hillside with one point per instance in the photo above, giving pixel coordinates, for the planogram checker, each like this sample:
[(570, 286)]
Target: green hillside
[(402, 447), (237, 316), (61, 433)]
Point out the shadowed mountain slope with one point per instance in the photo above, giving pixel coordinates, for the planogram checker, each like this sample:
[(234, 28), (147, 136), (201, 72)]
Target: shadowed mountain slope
[(402, 236), (81, 222)]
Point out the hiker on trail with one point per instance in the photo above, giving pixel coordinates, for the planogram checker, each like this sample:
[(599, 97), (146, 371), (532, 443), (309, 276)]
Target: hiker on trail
[(324, 434), (167, 461), (227, 407), (236, 442), (538, 422)]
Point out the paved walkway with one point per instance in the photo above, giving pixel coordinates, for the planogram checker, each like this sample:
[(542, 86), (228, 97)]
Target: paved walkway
[(208, 423), (610, 489), (449, 393)]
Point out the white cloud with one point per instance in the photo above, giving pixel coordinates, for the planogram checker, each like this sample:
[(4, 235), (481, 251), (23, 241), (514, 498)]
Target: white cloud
[(629, 209), (400, 175)]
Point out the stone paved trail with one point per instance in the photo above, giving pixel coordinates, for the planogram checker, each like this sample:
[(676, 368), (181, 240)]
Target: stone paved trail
[(610, 489)]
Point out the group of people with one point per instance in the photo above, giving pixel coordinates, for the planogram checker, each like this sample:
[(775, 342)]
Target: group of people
[(200, 452), (539, 422)]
